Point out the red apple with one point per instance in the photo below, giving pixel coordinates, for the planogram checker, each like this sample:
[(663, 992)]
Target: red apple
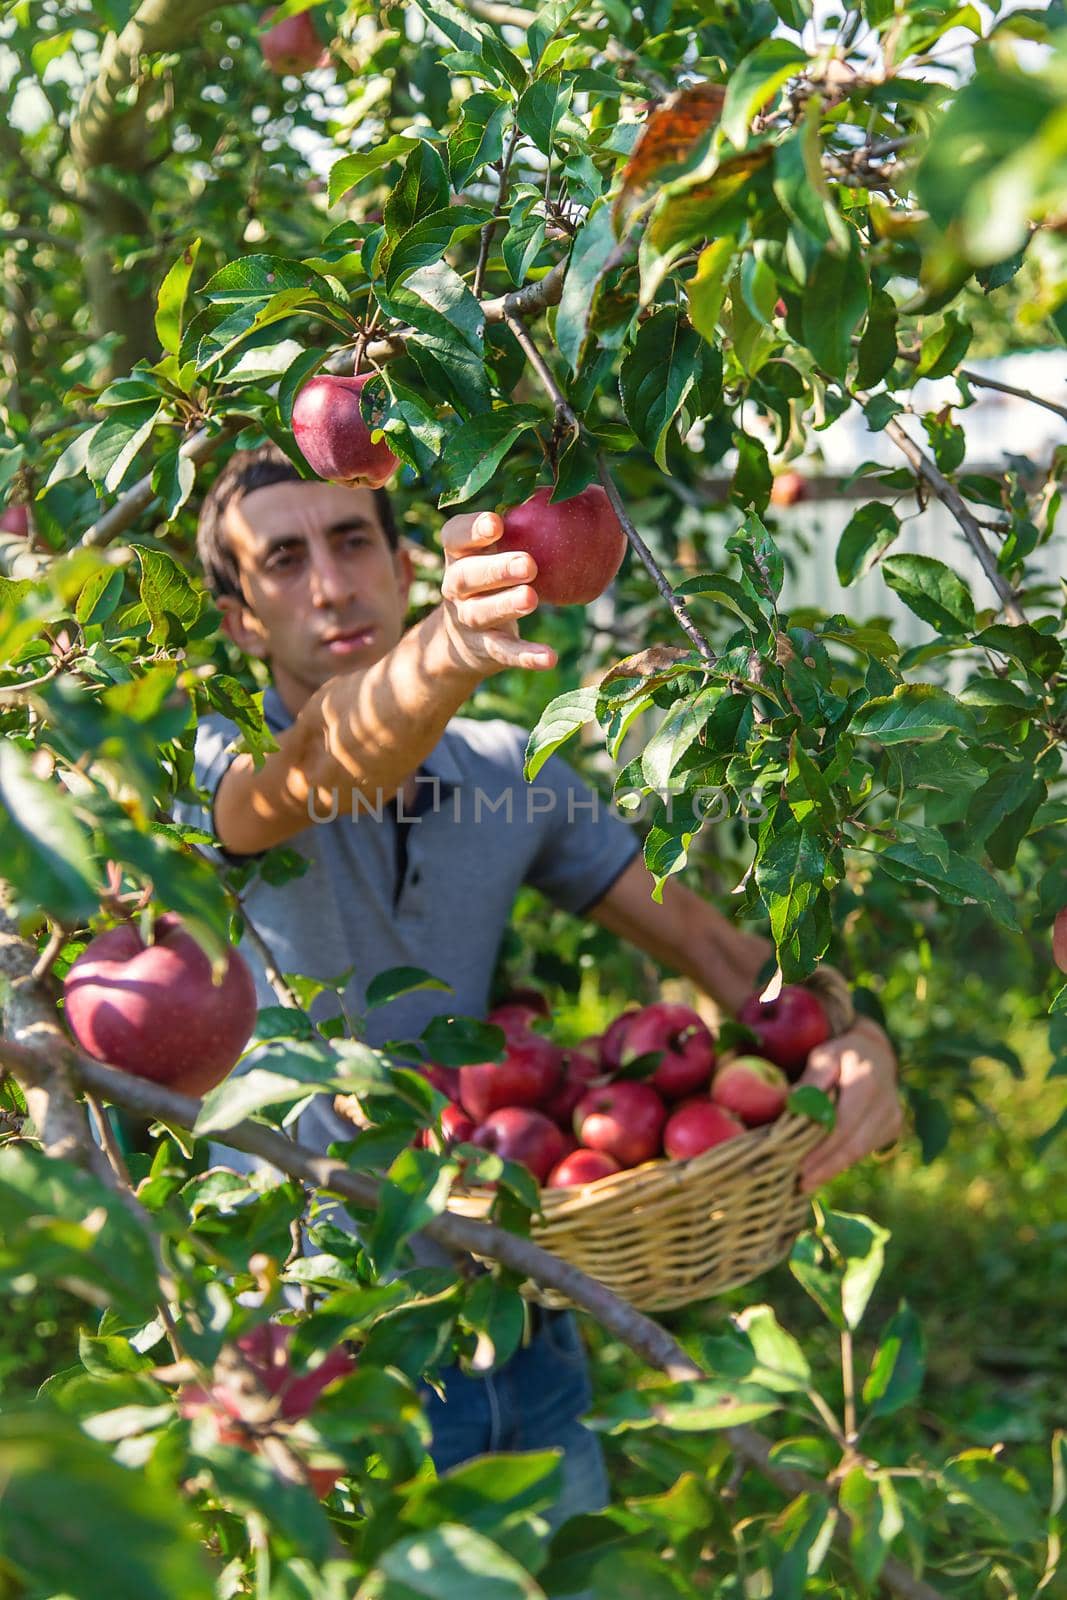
[(16, 519), (787, 1029), (625, 1119), (292, 45), (580, 1071), (514, 1019), (266, 1349), (456, 1126), (788, 488), (611, 1040), (680, 1038), (333, 437), (528, 1074), (153, 1011), (582, 1166), (443, 1079), (696, 1126), (753, 1089), (518, 1133), (578, 544), (1059, 939)]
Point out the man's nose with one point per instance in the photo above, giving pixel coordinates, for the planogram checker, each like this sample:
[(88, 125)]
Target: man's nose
[(331, 584)]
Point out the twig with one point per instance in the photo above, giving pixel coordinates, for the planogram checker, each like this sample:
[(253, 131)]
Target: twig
[(565, 418), (37, 236), (678, 607), (981, 382), (488, 231), (951, 497), (110, 1143), (47, 959)]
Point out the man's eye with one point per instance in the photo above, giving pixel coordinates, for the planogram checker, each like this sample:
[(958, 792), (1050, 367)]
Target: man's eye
[(284, 558)]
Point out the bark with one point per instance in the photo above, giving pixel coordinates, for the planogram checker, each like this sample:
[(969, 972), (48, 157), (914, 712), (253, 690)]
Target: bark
[(109, 141)]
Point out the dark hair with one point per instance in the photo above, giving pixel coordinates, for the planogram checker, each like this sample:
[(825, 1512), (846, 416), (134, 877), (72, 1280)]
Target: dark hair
[(246, 471)]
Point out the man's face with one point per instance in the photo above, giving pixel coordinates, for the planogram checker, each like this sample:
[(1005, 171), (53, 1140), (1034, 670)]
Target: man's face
[(325, 593)]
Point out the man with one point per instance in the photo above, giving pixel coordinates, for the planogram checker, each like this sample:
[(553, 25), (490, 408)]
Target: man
[(418, 829)]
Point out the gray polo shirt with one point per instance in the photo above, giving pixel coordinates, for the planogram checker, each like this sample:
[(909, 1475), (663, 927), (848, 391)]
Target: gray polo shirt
[(429, 887)]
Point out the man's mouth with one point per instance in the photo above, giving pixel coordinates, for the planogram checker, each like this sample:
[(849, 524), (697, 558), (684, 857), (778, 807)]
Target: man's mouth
[(344, 642)]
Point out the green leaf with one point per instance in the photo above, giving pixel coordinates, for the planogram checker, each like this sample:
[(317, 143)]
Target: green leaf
[(456, 1041), (676, 733), (781, 1363), (873, 1507), (896, 1375), (878, 346), (421, 189), (428, 240), (835, 300), (913, 713), (395, 981), (995, 1493), (540, 108), (415, 1190), (284, 1072), (754, 81), (805, 1100), (350, 170), (706, 289), (452, 1560), (955, 878), (561, 718), (170, 302), (478, 446), (690, 1407), (860, 1243), (477, 139), (441, 288), (593, 245), (869, 532), (45, 849), (760, 558), (247, 1483), (166, 595), (656, 376), (173, 477), (932, 590), (132, 1534), (263, 277), (63, 1226), (942, 351), (1001, 811), (790, 872)]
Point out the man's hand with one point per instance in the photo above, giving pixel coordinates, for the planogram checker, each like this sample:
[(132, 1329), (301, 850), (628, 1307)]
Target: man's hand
[(483, 596), (862, 1067)]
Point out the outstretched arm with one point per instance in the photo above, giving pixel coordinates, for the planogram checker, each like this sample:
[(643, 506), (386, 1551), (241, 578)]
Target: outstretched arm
[(690, 936)]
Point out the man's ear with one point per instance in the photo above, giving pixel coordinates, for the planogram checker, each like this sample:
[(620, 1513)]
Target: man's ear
[(405, 569), (242, 626)]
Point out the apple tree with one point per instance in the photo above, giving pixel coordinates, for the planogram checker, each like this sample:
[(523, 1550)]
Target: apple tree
[(657, 249)]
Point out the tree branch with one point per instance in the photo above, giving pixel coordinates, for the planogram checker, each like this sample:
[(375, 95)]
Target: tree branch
[(488, 231), (950, 496), (981, 382)]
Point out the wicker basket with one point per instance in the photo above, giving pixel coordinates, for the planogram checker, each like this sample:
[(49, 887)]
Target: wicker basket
[(671, 1232)]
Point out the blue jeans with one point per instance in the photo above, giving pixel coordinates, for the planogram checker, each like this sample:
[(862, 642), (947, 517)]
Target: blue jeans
[(532, 1402)]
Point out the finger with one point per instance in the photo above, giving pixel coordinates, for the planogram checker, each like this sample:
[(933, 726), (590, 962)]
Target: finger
[(470, 532), (823, 1069), (489, 610), (512, 652), (470, 575)]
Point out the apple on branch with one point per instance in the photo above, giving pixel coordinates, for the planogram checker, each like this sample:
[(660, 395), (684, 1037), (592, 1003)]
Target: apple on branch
[(265, 1349), (333, 436), (153, 1010), (1059, 939), (16, 520), (292, 46), (578, 544)]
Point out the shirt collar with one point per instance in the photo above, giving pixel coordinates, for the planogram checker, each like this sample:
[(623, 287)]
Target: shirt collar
[(440, 763)]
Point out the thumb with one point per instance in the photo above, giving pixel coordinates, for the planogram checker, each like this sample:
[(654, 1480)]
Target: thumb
[(823, 1069)]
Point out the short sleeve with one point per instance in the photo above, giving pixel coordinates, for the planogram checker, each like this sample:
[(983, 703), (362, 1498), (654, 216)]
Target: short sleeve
[(584, 846)]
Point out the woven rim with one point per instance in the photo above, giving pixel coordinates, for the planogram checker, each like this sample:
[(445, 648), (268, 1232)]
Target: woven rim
[(669, 1233)]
